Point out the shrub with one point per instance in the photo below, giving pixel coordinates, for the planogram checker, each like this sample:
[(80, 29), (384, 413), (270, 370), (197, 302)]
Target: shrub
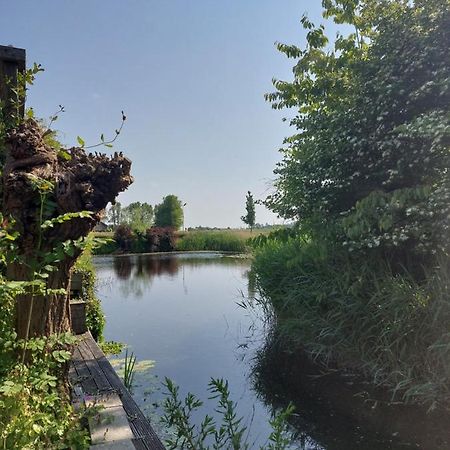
[(35, 409), (95, 319), (160, 239), (107, 247), (124, 237), (138, 242)]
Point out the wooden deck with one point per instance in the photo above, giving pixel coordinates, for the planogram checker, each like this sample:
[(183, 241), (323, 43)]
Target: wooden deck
[(94, 381)]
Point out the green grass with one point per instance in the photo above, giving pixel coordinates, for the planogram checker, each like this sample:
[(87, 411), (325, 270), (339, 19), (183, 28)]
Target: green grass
[(225, 241), (358, 313)]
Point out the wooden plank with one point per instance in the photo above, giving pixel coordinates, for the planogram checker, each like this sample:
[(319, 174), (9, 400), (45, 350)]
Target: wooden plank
[(10, 53), (72, 372), (93, 347), (139, 423), (139, 445), (98, 375), (84, 376), (89, 361), (12, 61)]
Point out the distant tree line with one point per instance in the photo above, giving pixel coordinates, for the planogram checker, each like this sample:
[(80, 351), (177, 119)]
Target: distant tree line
[(142, 216)]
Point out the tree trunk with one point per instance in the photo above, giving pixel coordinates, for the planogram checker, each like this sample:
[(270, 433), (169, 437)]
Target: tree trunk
[(83, 182)]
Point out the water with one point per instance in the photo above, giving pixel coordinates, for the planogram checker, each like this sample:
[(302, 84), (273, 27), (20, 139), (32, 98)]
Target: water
[(181, 312)]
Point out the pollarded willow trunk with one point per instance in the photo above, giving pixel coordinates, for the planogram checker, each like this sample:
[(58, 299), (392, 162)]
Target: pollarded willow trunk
[(78, 182)]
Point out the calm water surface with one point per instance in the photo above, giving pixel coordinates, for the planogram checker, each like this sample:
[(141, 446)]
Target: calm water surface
[(181, 311)]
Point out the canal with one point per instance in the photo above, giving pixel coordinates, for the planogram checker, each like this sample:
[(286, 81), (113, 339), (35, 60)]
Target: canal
[(181, 316)]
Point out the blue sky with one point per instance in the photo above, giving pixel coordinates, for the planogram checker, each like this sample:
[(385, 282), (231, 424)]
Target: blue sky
[(190, 76)]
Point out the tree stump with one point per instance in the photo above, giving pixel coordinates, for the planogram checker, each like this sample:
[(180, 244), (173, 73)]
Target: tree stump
[(81, 182)]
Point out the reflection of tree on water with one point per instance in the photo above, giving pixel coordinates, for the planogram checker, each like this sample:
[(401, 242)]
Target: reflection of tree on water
[(139, 270), (281, 377), (150, 266), (252, 287), (144, 266), (122, 267)]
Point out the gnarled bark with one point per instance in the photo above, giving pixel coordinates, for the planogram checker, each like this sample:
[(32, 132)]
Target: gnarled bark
[(83, 182)]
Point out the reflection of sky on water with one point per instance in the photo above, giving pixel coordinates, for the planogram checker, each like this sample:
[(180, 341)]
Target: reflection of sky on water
[(181, 311)]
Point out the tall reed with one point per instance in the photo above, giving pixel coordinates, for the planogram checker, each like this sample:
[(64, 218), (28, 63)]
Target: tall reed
[(212, 240), (128, 370), (359, 313)]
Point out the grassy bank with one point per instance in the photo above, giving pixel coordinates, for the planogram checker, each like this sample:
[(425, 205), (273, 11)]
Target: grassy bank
[(359, 313), (227, 240)]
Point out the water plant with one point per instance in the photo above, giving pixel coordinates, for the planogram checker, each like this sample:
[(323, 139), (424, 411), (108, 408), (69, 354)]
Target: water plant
[(129, 370), (111, 347), (230, 433)]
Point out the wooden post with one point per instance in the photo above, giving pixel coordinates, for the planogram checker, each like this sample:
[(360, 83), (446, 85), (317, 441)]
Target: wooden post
[(12, 61)]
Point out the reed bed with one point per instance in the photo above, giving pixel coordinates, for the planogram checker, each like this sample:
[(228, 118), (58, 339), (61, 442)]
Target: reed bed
[(224, 241), (358, 313)]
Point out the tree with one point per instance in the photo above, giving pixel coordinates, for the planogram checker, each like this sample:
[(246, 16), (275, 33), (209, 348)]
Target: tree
[(370, 154), (55, 200), (51, 198), (169, 213), (139, 216), (249, 217), (114, 215)]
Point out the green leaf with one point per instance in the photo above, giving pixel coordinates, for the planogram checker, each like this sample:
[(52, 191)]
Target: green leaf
[(80, 141), (64, 155)]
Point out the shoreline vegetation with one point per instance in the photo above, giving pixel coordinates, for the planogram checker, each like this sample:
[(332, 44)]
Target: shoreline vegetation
[(358, 314), (223, 241), (362, 284)]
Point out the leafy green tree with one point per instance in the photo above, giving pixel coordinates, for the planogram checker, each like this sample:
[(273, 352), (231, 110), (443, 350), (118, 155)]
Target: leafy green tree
[(139, 216), (250, 216), (114, 214), (370, 155), (169, 213)]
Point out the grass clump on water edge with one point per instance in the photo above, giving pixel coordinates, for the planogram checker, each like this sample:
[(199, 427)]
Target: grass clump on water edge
[(358, 312), (225, 241)]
